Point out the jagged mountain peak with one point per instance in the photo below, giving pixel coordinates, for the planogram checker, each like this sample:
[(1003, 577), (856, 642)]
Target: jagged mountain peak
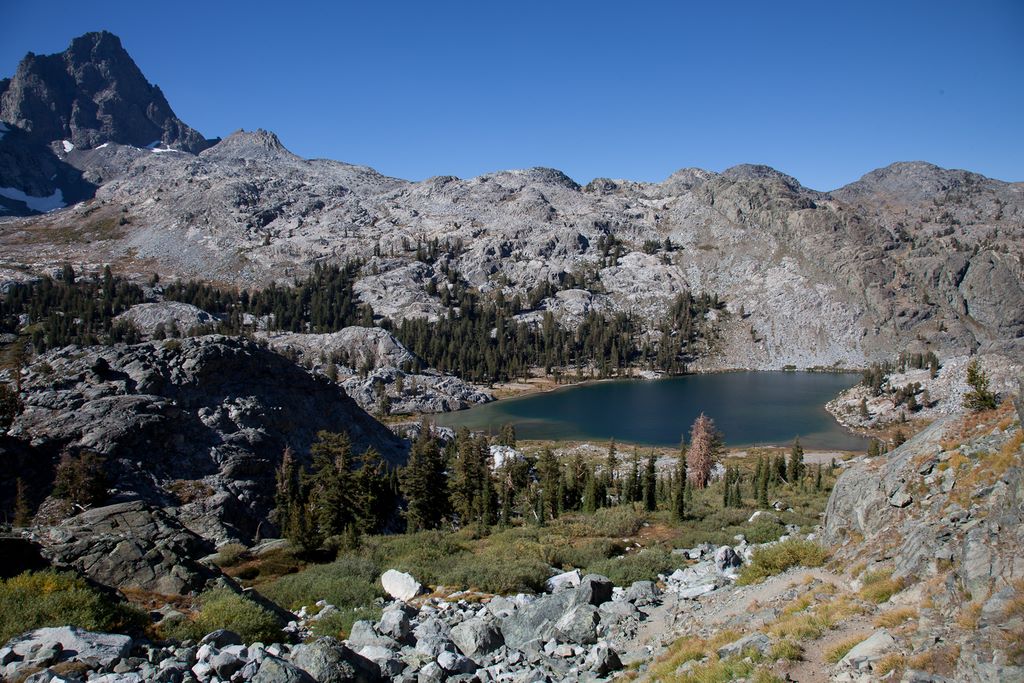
[(90, 94)]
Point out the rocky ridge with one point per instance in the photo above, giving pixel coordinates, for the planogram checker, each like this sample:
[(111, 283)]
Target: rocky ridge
[(910, 257), (197, 425), (941, 517)]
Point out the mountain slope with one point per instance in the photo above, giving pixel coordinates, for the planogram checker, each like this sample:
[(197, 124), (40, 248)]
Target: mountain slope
[(910, 257)]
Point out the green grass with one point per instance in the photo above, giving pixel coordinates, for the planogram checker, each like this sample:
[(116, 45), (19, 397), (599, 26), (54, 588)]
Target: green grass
[(641, 566), (36, 599), (777, 558), (221, 608)]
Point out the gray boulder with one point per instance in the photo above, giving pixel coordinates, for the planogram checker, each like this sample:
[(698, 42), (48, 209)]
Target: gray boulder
[(875, 647), (363, 633), (394, 623), (433, 637), (726, 559), (400, 585), (755, 641), (327, 660), (151, 318), (615, 611), (276, 670), (569, 579), (476, 636), (602, 660), (578, 625), (454, 663), (537, 619), (642, 593), (71, 643), (594, 589)]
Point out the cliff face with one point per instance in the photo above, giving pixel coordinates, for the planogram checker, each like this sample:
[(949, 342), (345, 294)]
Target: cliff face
[(90, 94), (943, 513), (197, 425)]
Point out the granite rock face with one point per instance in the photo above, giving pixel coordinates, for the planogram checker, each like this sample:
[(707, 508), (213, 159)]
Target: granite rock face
[(92, 93), (131, 545), (198, 424)]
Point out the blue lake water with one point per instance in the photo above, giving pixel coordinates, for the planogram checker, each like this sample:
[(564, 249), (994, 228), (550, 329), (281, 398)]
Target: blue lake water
[(750, 408)]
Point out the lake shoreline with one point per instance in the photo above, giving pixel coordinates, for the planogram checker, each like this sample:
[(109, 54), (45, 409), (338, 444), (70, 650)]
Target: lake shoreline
[(754, 407)]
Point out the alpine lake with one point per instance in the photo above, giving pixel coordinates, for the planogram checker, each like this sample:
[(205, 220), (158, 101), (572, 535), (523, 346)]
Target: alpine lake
[(749, 408)]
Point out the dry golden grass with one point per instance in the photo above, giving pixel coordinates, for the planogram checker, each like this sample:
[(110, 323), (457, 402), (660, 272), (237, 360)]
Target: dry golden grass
[(895, 617), (988, 468), (788, 650), (880, 586), (1015, 608), (969, 616), (839, 650), (887, 664), (940, 661)]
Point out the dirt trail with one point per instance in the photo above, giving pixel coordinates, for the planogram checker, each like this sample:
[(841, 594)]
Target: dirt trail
[(674, 618)]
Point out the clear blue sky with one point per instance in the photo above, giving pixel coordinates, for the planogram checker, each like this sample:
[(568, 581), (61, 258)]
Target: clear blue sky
[(824, 91)]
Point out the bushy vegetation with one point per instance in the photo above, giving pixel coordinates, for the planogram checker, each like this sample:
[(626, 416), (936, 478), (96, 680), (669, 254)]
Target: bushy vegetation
[(48, 598), (222, 608), (640, 566), (879, 586), (347, 582), (775, 559)]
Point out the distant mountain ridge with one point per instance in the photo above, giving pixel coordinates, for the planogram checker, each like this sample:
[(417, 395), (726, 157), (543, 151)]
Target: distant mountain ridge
[(911, 257)]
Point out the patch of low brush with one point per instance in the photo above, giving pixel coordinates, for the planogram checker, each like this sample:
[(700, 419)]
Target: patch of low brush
[(879, 586), (842, 648), (895, 617), (775, 559), (788, 650)]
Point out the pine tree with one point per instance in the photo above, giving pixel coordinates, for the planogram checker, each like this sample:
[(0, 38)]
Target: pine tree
[(705, 446), (330, 483), (373, 499), (979, 397), (610, 482), (727, 487), (590, 492), (650, 492), (465, 469), (22, 509), (81, 480), (287, 491), (682, 478), (631, 491), (817, 478), (762, 489), (424, 483), (547, 471), (796, 462)]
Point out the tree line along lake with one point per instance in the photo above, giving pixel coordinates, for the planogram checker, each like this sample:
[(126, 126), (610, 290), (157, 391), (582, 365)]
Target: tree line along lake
[(749, 408)]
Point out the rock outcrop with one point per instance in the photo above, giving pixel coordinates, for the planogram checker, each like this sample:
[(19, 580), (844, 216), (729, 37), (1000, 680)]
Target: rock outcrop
[(131, 545), (942, 516), (198, 424), (375, 369)]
